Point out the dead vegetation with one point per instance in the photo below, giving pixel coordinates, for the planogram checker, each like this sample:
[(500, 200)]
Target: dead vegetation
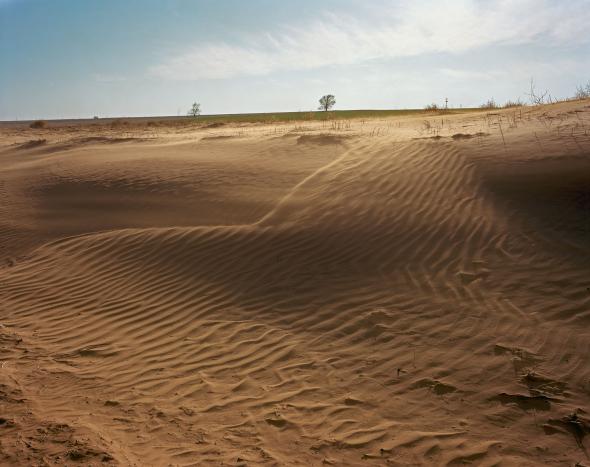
[(511, 104), (490, 104), (38, 124), (583, 92)]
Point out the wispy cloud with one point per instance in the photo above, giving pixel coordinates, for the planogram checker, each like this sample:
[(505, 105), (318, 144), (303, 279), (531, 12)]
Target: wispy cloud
[(473, 75), (395, 29)]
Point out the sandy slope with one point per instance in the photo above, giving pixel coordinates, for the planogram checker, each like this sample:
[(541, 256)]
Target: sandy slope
[(364, 295)]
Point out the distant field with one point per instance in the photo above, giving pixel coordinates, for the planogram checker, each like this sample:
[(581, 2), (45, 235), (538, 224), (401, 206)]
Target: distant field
[(248, 118), (319, 115)]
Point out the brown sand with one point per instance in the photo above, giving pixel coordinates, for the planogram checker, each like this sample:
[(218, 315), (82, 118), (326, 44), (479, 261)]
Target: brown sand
[(378, 293)]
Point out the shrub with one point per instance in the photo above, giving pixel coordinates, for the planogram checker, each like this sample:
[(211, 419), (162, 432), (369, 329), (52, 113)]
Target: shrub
[(38, 124), (431, 107), (490, 104)]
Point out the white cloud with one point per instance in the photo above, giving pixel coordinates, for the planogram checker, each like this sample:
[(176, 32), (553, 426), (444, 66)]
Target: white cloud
[(398, 29), (474, 75)]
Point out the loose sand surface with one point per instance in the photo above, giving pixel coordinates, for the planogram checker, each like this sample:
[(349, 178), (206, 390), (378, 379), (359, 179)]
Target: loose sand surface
[(406, 291)]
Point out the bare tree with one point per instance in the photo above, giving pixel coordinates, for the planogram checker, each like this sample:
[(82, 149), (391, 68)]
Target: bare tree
[(536, 97), (195, 110), (583, 92), (327, 102)]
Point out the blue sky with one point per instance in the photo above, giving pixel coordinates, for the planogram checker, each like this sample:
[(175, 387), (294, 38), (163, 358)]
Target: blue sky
[(79, 58)]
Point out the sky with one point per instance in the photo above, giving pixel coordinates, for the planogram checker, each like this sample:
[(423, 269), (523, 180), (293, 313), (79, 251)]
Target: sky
[(109, 58)]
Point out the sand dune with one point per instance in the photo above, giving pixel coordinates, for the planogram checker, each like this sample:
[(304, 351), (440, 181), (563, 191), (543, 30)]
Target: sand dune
[(369, 296)]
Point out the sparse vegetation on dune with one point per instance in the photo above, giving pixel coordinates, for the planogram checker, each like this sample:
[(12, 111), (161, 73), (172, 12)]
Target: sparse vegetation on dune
[(510, 103), (491, 104)]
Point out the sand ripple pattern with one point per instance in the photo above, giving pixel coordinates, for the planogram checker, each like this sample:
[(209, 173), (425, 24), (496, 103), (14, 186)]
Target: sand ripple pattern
[(385, 312)]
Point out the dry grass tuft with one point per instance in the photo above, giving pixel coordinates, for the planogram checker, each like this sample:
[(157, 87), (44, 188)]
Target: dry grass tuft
[(510, 104), (118, 123)]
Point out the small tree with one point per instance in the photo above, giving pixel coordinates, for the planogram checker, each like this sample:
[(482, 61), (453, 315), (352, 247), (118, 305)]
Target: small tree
[(195, 110), (327, 102)]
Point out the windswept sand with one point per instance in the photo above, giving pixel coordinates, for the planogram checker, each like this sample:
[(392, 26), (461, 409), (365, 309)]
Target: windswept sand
[(350, 293)]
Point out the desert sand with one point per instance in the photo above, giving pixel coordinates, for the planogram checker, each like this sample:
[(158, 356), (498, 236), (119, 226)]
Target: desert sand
[(403, 291)]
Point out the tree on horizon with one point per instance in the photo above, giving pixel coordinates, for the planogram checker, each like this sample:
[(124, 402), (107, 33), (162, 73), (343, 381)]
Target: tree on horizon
[(195, 110), (327, 102)]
